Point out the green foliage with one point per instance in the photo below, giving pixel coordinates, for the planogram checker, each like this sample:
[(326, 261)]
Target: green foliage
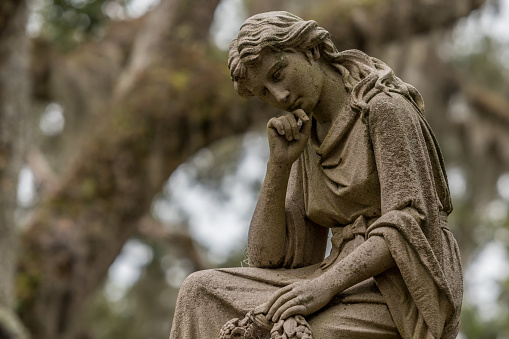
[(26, 285), (145, 310), (474, 325), (71, 22), (484, 65)]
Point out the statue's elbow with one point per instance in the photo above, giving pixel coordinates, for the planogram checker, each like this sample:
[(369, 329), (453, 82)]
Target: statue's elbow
[(263, 260)]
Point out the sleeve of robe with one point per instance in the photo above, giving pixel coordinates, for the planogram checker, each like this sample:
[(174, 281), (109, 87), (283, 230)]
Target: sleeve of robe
[(305, 241), (424, 292)]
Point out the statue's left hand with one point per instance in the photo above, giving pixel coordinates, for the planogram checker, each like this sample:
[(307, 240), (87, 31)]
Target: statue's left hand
[(302, 297)]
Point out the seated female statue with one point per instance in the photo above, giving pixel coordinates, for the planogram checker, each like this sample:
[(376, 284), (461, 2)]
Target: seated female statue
[(354, 155)]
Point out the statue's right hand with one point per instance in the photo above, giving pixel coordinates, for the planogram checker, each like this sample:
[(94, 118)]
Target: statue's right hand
[(302, 297), (288, 136)]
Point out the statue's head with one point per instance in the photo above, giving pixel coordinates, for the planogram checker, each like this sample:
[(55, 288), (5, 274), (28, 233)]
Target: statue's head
[(277, 32)]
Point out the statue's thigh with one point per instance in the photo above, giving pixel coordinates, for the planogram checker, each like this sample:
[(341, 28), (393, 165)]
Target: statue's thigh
[(354, 321)]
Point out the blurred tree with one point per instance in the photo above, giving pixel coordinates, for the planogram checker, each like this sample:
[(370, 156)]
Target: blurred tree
[(138, 97), (14, 98)]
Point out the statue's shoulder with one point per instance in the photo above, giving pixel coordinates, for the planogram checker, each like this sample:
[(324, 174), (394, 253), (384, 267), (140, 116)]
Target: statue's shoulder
[(392, 103), (391, 111)]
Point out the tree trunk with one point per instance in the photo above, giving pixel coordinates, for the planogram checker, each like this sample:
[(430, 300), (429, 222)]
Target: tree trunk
[(14, 98)]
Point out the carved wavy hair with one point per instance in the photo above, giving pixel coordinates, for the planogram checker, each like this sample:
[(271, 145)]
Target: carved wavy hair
[(363, 76)]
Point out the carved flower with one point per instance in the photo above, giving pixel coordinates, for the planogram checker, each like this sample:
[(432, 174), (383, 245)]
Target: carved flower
[(241, 329), (292, 328), (256, 327)]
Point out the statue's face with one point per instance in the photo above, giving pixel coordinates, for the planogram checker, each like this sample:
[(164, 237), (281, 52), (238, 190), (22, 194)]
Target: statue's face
[(286, 80)]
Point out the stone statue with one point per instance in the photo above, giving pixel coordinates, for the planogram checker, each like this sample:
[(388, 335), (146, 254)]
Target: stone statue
[(354, 155)]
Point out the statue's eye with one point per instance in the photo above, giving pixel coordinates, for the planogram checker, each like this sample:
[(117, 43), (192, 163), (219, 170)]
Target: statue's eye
[(278, 75), (265, 91)]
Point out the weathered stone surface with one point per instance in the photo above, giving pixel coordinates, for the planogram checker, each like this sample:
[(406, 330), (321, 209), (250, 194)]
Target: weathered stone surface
[(354, 154)]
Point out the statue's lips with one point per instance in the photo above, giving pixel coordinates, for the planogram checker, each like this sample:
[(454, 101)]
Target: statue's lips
[(295, 105)]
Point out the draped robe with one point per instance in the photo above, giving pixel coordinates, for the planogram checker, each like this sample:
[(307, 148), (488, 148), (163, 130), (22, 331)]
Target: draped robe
[(378, 172)]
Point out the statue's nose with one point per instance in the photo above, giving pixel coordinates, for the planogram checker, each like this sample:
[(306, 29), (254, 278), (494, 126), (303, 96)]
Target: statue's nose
[(279, 93)]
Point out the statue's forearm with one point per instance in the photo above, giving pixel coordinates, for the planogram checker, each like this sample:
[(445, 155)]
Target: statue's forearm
[(368, 260), (266, 242)]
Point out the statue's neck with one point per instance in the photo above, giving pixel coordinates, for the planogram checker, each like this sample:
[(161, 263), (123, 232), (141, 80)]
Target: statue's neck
[(333, 99)]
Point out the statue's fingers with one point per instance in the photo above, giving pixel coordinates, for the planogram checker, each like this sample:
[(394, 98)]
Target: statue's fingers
[(300, 114), (293, 124), (306, 128), (287, 127), (294, 310), (274, 309), (280, 301), (276, 124), (283, 308), (275, 297)]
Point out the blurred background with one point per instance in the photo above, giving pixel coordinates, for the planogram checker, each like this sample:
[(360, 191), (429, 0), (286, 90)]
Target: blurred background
[(127, 161)]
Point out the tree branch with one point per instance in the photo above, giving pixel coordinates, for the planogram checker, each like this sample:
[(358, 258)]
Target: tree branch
[(367, 24), (156, 232), (488, 102)]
